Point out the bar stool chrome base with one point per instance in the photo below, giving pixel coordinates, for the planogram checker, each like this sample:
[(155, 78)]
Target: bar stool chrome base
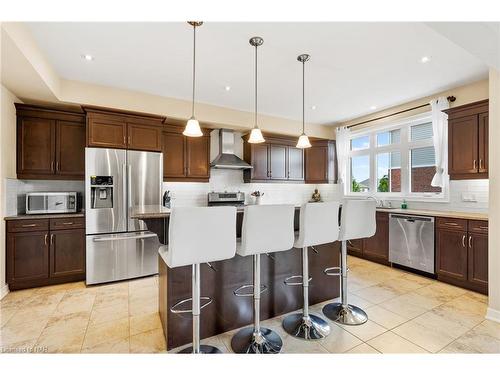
[(350, 315), (266, 341), (204, 349), (307, 328)]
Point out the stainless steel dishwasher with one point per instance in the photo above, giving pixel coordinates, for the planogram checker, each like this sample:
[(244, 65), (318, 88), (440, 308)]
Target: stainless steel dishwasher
[(411, 241)]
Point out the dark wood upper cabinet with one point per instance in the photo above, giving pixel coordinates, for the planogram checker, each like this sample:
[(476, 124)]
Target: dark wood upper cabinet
[(321, 162), (106, 131), (198, 157), (483, 142), (70, 136), (185, 158), (35, 146), (144, 137), (67, 252), (278, 162), (468, 141), (174, 155), (50, 143), (377, 246), (111, 128), (257, 155), (295, 164)]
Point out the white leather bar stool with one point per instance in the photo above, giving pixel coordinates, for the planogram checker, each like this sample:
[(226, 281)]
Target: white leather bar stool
[(357, 221), (199, 235), (319, 224), (265, 229)]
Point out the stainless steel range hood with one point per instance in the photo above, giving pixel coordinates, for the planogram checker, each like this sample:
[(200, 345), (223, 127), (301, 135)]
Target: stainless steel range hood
[(226, 158)]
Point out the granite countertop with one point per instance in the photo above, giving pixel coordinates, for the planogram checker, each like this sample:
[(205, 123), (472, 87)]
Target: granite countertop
[(44, 216), (158, 211), (450, 214)]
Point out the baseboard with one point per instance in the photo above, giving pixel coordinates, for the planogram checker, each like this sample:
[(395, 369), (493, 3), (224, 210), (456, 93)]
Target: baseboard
[(4, 291), (492, 314)]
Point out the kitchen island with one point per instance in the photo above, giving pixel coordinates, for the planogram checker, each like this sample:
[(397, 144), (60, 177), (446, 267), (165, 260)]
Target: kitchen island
[(227, 311)]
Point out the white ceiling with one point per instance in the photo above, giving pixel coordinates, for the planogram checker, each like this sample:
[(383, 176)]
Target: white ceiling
[(353, 66)]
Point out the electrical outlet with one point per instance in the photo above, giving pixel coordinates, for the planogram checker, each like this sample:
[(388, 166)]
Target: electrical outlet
[(468, 197)]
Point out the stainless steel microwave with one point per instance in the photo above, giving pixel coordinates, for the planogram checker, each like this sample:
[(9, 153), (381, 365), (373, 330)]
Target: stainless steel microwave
[(51, 202)]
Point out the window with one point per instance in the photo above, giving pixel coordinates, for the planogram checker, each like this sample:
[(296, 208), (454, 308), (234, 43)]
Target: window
[(397, 161)]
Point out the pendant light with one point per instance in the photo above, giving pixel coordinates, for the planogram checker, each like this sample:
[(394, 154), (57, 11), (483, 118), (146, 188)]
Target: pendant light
[(303, 141), (192, 128), (256, 134)]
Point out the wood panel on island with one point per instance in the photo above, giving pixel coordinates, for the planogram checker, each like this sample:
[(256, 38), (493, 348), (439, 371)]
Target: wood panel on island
[(278, 160), (50, 142), (468, 141), (45, 251), (227, 311)]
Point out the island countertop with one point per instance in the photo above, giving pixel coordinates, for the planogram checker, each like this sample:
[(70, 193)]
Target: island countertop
[(158, 212)]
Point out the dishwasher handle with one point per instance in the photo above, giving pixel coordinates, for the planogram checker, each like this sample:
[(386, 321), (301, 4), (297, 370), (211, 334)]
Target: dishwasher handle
[(412, 219)]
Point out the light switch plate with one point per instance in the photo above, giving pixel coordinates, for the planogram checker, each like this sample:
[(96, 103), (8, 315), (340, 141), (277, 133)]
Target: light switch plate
[(468, 197)]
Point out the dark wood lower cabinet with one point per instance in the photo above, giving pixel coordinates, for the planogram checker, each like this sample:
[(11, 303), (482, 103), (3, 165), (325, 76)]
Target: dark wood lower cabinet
[(37, 256), (451, 254), (375, 248), (27, 257), (462, 253), (478, 260), (67, 252)]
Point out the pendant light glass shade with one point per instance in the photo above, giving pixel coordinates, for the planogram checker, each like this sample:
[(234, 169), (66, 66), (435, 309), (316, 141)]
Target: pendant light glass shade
[(256, 136), (192, 128), (303, 142)]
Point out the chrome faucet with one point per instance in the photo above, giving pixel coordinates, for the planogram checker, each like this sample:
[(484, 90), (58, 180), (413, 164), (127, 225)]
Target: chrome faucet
[(375, 199)]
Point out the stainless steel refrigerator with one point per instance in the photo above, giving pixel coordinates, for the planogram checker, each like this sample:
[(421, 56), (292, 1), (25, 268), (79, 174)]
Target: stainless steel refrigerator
[(119, 247)]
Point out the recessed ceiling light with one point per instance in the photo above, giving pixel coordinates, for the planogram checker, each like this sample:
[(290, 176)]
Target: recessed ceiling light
[(425, 59), (313, 107), (373, 107), (87, 57), (227, 88)]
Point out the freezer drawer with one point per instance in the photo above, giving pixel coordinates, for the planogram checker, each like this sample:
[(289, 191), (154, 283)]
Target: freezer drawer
[(120, 256), (411, 241)]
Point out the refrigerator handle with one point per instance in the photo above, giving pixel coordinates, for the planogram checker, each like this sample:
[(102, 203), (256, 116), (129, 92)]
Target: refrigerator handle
[(124, 182), (129, 181)]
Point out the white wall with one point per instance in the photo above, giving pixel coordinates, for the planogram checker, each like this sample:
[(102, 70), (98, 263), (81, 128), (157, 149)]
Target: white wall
[(7, 166), (494, 205)]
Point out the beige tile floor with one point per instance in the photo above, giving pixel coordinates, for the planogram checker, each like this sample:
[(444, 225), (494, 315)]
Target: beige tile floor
[(407, 314)]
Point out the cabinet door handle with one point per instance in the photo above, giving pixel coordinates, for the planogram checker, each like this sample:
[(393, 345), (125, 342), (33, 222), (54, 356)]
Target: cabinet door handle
[(129, 139), (475, 164), (480, 163), (46, 238), (52, 166), (28, 225), (463, 240), (57, 166), (124, 140), (68, 223), (51, 239), (455, 224), (470, 242)]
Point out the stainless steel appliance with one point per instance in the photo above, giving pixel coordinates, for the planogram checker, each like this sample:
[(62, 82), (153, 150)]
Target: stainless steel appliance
[(51, 202), (226, 159), (116, 181), (411, 241), (226, 199)]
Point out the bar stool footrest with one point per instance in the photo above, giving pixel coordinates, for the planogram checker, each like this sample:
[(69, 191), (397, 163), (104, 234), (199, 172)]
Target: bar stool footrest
[(176, 310), (239, 292), (333, 271), (288, 281)]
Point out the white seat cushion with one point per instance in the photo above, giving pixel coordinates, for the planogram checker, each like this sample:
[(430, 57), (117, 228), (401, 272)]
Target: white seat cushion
[(319, 224)]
